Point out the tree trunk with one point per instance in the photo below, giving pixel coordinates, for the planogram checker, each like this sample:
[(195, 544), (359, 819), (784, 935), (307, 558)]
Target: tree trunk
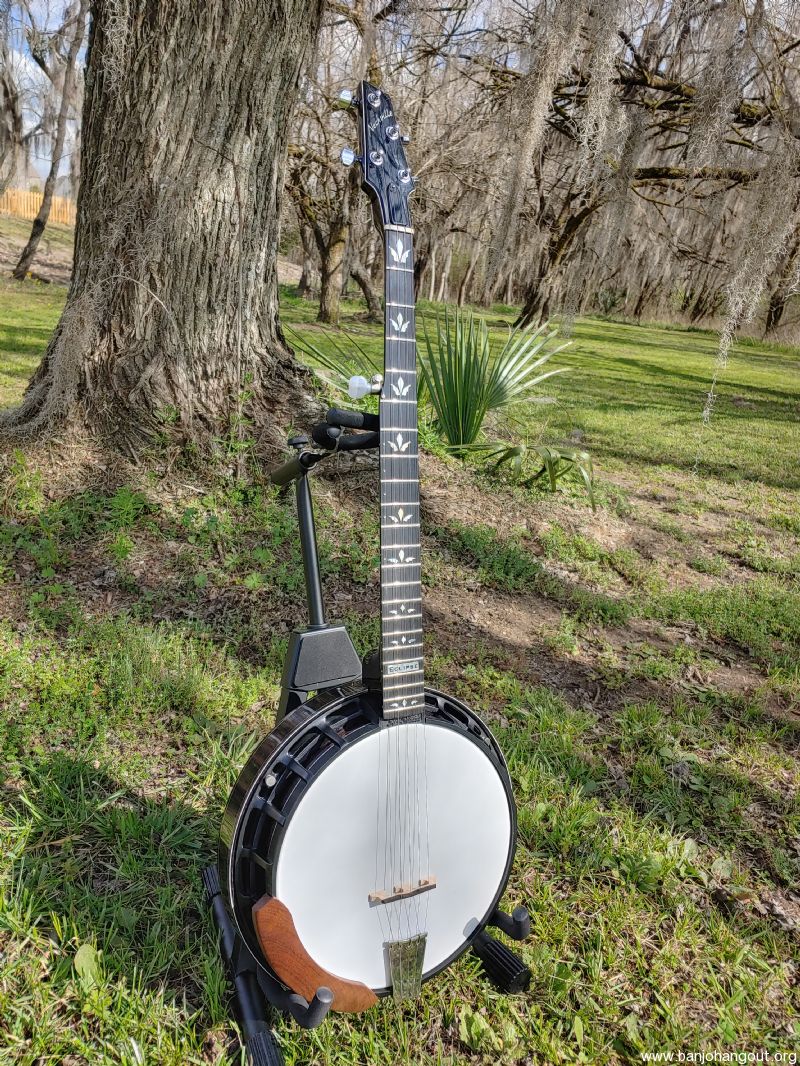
[(332, 275), (464, 286), (537, 298), (432, 280), (775, 310), (508, 296), (364, 281), (172, 314), (308, 274), (11, 121), (779, 297), (29, 251), (444, 280)]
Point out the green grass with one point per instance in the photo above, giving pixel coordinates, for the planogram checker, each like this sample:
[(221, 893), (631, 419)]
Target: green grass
[(636, 392), (644, 687), (28, 314)]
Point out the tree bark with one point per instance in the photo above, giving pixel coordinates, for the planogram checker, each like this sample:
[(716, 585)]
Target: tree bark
[(537, 299), (444, 279), (171, 321), (332, 275), (467, 278), (432, 279), (39, 223), (11, 121), (779, 297), (308, 274)]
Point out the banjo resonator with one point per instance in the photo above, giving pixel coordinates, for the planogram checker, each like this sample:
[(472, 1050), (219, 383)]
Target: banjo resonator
[(369, 839)]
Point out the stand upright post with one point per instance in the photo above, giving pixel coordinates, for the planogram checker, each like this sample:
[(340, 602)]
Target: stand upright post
[(320, 655), (308, 548)]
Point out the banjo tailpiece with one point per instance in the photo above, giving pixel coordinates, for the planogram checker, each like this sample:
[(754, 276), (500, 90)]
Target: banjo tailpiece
[(406, 958)]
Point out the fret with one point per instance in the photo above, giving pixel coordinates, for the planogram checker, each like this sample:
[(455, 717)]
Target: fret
[(391, 303), (400, 370), (401, 270)]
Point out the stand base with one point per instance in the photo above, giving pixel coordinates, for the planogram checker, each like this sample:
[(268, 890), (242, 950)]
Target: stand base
[(257, 993)]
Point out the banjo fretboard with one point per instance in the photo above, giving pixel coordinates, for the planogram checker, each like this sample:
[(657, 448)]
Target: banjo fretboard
[(401, 602)]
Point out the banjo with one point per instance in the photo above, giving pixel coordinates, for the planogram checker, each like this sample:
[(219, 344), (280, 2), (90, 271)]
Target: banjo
[(369, 838)]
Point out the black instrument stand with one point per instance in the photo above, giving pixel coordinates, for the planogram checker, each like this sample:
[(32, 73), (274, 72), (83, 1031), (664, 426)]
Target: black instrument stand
[(321, 656)]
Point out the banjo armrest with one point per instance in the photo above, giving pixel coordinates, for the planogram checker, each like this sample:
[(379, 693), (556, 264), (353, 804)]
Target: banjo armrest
[(291, 963)]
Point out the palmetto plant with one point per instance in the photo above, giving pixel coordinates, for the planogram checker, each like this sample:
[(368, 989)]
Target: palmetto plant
[(465, 380), (462, 380), (556, 462)]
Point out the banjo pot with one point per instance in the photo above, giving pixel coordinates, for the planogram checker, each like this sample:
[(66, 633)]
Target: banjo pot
[(370, 836), (302, 826)]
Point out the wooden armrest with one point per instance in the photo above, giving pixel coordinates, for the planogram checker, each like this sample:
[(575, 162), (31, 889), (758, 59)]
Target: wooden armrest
[(291, 963)]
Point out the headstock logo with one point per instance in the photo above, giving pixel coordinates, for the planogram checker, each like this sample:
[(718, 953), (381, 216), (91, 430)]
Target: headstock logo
[(381, 117)]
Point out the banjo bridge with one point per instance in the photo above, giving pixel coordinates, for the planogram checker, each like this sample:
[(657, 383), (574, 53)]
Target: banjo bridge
[(406, 891)]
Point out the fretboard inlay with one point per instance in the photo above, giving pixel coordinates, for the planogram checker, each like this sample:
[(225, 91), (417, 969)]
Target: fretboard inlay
[(401, 604)]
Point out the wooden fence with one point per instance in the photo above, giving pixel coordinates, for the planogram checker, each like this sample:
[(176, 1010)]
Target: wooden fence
[(23, 204)]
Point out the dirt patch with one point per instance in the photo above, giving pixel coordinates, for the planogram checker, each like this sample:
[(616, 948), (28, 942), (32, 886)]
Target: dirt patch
[(53, 262)]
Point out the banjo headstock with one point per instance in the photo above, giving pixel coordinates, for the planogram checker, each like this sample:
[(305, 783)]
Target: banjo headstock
[(386, 177)]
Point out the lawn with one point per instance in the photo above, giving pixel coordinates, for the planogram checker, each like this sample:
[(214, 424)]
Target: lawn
[(640, 666), (28, 315)]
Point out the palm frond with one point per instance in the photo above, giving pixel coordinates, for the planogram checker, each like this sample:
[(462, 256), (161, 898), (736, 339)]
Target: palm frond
[(465, 379)]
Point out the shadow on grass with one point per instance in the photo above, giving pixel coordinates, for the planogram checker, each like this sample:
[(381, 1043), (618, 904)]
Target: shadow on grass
[(123, 867), (98, 863), (30, 341)]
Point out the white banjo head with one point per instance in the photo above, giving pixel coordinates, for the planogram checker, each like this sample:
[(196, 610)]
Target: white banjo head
[(409, 802)]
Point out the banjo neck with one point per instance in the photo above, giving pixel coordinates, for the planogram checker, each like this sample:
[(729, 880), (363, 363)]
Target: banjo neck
[(401, 590), (389, 183)]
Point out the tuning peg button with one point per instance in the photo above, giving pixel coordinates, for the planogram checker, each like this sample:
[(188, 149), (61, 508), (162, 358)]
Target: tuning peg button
[(358, 387), (344, 100), (347, 156)]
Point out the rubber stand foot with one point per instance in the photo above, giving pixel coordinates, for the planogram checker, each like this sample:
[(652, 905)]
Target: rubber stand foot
[(504, 969), (262, 1050)]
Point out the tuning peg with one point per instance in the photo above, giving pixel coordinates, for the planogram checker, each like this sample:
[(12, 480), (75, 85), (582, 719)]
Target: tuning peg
[(347, 156), (358, 386), (344, 100), (405, 139)]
